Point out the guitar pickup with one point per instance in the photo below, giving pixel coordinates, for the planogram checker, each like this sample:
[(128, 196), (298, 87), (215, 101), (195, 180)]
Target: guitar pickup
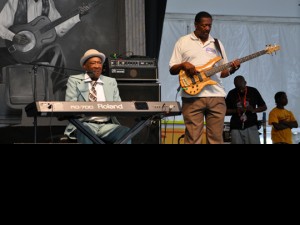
[(200, 77)]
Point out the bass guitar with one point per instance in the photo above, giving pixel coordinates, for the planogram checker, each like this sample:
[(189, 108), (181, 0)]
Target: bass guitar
[(193, 85), (40, 33)]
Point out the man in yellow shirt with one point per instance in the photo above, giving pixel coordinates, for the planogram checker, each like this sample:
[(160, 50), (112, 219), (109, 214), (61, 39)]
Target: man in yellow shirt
[(282, 120)]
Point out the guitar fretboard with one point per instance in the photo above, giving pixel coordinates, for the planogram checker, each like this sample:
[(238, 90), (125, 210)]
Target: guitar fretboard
[(215, 70), (59, 21)]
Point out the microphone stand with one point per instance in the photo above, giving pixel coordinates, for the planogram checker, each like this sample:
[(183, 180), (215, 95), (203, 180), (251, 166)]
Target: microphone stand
[(35, 67), (54, 67), (264, 120)]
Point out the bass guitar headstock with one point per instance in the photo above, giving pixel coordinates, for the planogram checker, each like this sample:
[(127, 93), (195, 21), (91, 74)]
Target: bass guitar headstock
[(272, 48)]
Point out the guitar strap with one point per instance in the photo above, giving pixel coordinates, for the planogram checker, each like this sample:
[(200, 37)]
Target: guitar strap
[(21, 13), (217, 44)]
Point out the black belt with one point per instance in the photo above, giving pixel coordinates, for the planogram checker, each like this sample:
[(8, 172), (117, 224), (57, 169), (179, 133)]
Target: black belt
[(97, 122)]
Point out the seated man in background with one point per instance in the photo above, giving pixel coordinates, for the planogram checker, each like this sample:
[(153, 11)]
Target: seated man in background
[(282, 121), (93, 86), (243, 103)]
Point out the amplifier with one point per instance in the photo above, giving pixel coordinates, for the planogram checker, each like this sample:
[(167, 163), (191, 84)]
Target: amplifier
[(137, 69)]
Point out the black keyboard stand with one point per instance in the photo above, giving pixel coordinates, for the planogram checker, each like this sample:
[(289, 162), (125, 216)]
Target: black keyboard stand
[(124, 140), (134, 131)]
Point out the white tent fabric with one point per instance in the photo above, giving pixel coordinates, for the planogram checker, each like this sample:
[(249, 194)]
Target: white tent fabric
[(241, 37)]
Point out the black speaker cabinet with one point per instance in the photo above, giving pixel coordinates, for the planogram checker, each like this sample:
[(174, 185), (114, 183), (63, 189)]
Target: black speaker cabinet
[(141, 92)]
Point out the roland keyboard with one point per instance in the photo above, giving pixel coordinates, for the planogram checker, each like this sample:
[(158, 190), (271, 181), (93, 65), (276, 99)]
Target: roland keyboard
[(132, 108)]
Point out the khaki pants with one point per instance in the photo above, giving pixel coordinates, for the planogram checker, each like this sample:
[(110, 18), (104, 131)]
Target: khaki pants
[(195, 110)]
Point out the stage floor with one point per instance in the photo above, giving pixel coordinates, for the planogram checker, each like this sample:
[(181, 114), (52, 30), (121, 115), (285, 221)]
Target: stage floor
[(26, 135), (52, 135)]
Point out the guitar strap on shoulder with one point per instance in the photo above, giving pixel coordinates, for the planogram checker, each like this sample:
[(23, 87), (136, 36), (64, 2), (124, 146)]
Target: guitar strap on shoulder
[(217, 44)]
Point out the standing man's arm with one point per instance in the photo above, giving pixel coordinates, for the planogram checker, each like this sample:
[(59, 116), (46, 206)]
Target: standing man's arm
[(282, 125), (260, 109), (231, 108), (290, 123), (7, 16), (235, 65), (189, 68), (177, 63), (63, 28), (260, 105)]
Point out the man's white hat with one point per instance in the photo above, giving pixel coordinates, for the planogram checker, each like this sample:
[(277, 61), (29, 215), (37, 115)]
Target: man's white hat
[(90, 54)]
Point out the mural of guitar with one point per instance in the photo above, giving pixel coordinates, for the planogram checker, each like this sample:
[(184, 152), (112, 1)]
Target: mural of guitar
[(41, 33), (194, 85)]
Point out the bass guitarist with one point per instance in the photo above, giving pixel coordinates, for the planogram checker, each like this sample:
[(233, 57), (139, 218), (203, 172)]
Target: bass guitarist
[(23, 12), (198, 49)]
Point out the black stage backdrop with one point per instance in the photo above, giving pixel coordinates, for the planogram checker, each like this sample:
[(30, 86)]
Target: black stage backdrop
[(155, 15), (98, 29)]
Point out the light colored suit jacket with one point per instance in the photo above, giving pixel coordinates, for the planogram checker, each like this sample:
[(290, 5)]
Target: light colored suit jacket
[(78, 91)]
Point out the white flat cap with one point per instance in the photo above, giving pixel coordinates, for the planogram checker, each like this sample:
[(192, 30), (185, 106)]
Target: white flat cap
[(90, 54)]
